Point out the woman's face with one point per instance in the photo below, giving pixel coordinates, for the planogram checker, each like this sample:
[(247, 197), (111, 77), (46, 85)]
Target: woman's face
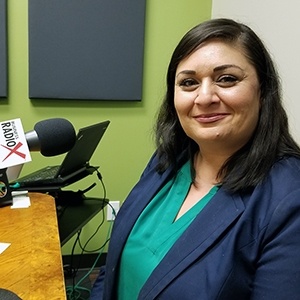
[(217, 96)]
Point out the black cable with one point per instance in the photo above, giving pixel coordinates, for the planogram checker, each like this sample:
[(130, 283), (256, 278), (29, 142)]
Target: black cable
[(74, 271), (83, 248), (74, 292)]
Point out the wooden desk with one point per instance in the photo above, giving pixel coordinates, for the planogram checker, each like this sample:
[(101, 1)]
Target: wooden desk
[(31, 266)]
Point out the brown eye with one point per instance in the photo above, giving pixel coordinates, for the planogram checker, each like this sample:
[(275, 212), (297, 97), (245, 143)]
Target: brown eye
[(188, 83), (227, 80)]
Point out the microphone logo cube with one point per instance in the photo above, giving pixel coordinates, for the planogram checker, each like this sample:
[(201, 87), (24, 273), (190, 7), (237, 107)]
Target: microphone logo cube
[(13, 146)]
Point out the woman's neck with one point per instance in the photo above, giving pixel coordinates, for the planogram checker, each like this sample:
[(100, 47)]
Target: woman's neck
[(207, 167)]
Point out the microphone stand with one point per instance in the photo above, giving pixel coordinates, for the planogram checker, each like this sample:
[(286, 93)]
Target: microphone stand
[(5, 191)]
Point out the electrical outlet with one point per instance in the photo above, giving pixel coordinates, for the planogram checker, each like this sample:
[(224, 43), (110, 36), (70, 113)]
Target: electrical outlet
[(110, 216)]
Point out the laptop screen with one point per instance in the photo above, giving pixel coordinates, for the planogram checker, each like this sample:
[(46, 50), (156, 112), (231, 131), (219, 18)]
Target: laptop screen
[(86, 143)]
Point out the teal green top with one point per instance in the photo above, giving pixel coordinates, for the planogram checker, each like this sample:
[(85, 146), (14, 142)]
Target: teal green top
[(155, 232)]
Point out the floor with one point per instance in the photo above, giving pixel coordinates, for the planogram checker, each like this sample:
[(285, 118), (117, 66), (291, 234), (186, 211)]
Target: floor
[(79, 288)]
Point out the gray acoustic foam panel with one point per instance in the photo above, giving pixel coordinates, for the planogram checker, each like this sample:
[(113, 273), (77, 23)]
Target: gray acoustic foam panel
[(86, 49), (3, 49)]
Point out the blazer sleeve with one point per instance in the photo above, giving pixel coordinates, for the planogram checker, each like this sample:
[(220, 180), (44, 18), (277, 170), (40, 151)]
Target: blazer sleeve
[(278, 268), (97, 289), (152, 163)]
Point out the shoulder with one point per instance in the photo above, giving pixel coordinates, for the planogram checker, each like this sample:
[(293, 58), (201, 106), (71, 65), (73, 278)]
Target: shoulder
[(279, 190), (283, 184), (288, 165), (272, 203), (284, 175), (283, 179)]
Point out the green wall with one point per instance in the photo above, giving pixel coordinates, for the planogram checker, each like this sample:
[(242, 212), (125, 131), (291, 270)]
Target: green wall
[(128, 142)]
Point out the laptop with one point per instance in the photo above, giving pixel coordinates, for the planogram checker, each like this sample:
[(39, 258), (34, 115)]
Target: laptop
[(74, 167)]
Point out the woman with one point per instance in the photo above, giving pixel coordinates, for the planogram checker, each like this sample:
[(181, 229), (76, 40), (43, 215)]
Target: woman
[(216, 213)]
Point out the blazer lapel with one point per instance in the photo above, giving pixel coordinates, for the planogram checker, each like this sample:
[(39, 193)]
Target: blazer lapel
[(136, 201), (213, 220), (135, 204)]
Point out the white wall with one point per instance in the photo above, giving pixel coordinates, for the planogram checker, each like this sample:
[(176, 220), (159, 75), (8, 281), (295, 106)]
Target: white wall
[(278, 24)]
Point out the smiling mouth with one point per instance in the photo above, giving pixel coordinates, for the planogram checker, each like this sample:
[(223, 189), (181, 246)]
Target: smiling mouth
[(210, 118)]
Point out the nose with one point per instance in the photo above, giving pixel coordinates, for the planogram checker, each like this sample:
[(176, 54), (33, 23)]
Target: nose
[(206, 93)]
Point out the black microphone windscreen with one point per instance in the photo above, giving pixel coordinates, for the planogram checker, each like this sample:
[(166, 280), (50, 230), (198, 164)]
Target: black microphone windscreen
[(56, 136)]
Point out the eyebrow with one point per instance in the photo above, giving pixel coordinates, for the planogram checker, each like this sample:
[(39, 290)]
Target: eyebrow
[(216, 69), (224, 67), (187, 72)]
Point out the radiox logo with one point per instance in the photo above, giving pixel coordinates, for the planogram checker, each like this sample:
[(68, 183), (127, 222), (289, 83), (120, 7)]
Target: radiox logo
[(10, 134)]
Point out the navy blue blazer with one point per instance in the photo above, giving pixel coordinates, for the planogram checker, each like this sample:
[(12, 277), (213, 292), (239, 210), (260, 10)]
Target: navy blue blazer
[(241, 246)]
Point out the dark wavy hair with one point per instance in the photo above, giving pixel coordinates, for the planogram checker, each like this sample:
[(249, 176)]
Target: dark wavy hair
[(271, 139)]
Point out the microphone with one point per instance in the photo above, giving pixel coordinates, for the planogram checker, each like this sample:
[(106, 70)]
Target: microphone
[(51, 137)]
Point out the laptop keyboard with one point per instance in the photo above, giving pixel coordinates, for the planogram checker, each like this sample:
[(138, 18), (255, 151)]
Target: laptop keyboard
[(47, 173)]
